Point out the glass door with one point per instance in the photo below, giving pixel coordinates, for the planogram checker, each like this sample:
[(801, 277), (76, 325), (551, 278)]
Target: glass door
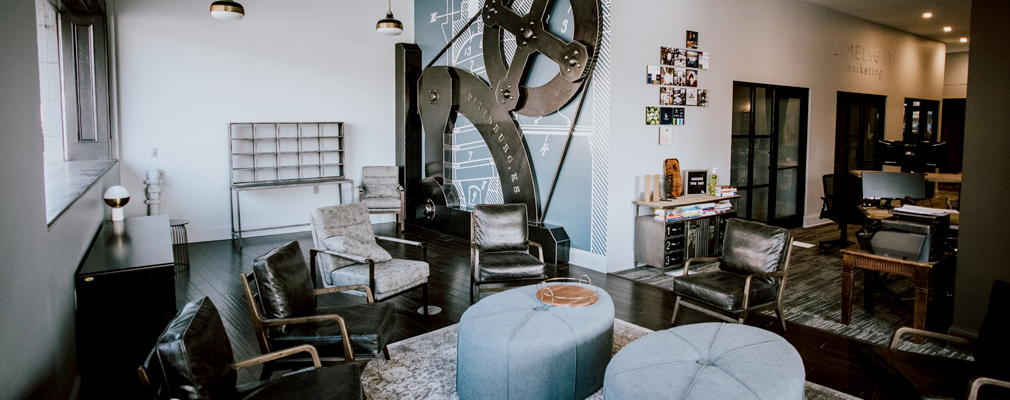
[(768, 161)]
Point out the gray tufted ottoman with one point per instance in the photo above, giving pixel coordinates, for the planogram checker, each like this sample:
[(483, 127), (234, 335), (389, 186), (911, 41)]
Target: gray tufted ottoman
[(513, 346), (706, 361)]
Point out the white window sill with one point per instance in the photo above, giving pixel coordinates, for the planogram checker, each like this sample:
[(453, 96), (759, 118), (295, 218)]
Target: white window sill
[(67, 182)]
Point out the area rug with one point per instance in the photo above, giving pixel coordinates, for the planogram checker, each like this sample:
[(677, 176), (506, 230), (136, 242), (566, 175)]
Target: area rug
[(813, 295), (424, 367)]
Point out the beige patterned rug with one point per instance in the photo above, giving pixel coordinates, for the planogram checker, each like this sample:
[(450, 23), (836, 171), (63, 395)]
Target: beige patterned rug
[(424, 367)]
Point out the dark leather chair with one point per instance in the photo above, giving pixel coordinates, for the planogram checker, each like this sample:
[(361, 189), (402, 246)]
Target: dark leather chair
[(500, 247), (841, 199), (193, 360), (751, 274), (282, 304), (934, 377)]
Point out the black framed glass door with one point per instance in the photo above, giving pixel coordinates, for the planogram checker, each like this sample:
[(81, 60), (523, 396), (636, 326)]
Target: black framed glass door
[(769, 146)]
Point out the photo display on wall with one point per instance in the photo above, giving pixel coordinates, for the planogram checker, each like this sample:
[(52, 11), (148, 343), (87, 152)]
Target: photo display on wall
[(692, 39), (678, 76)]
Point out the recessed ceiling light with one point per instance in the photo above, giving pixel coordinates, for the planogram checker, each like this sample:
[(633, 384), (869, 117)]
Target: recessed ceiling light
[(964, 40), (927, 15), (947, 29)]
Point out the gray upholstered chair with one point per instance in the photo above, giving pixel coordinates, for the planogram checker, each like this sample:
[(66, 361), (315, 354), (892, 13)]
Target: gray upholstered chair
[(500, 247), (192, 359), (282, 306), (751, 274), (346, 253), (380, 189)]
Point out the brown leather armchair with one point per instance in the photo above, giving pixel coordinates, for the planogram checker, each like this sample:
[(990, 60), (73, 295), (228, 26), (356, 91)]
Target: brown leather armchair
[(282, 305), (751, 275), (500, 247), (193, 360)]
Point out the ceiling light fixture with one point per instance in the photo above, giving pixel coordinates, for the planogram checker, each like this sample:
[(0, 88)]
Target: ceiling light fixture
[(389, 26), (927, 15), (964, 40), (947, 29), (227, 10)]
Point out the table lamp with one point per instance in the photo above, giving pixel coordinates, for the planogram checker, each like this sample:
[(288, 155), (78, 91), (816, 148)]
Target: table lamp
[(117, 197)]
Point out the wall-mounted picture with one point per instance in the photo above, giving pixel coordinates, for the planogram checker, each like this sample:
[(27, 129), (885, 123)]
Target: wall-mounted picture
[(692, 97), (692, 58), (678, 96), (652, 115), (702, 97), (692, 39), (679, 58), (665, 135), (703, 59), (665, 116), (666, 96), (696, 181), (678, 116), (668, 78), (666, 55), (679, 77), (654, 75), (692, 78)]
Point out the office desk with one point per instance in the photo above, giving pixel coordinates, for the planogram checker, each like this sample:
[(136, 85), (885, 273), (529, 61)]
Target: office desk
[(930, 176), (921, 273), (880, 214)]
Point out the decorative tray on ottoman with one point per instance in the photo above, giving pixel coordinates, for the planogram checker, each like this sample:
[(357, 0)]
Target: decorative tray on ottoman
[(564, 295)]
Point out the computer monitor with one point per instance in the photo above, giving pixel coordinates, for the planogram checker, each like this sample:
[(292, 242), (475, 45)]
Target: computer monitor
[(893, 185)]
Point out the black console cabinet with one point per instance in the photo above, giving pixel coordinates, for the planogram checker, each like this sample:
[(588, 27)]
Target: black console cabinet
[(125, 290)]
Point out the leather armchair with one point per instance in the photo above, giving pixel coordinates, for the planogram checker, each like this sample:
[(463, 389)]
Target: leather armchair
[(500, 247), (282, 305), (935, 377), (380, 189), (346, 253), (193, 360), (751, 274)]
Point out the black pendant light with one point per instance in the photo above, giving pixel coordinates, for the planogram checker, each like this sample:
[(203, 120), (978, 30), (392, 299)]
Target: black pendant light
[(389, 26), (227, 10)]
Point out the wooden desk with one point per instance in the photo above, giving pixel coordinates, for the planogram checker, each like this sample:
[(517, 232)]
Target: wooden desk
[(921, 273), (930, 176), (875, 213)]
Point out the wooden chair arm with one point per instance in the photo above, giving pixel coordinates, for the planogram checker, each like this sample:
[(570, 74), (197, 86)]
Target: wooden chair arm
[(368, 291), (979, 382), (540, 249), (348, 351), (687, 265), (306, 348), (936, 335), (746, 284)]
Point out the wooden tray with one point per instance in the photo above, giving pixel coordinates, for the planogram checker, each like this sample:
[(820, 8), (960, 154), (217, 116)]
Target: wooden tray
[(567, 295)]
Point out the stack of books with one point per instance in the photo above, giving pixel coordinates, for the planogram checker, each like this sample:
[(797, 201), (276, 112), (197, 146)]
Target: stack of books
[(725, 191), (707, 208), (698, 210), (723, 206)]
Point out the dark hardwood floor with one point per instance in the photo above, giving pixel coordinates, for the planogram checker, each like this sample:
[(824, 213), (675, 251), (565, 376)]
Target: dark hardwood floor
[(831, 360)]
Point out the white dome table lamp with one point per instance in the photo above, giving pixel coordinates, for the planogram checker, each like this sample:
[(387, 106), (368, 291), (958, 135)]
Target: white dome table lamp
[(117, 197)]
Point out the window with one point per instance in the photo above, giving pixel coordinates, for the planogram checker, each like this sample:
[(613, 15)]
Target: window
[(51, 106)]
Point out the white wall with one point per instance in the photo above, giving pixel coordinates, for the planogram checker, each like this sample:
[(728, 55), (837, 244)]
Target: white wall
[(955, 76), (37, 338), (184, 76), (781, 42)]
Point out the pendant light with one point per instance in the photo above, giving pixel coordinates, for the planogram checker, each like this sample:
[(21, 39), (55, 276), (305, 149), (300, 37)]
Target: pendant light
[(227, 10), (389, 26)]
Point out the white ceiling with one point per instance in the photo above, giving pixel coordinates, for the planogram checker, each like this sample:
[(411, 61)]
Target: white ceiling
[(906, 15)]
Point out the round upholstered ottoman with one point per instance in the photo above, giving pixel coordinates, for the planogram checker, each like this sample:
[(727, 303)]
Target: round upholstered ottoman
[(706, 361), (511, 345)]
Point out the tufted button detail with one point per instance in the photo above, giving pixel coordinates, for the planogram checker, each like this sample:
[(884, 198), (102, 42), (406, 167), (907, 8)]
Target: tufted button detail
[(705, 363)]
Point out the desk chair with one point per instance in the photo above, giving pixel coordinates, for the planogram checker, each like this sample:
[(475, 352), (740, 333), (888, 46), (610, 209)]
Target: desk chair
[(840, 200)]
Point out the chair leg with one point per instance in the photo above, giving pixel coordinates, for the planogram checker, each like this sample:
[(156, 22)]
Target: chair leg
[(676, 308), (743, 317), (424, 298), (474, 292), (782, 318), (385, 350), (268, 371)]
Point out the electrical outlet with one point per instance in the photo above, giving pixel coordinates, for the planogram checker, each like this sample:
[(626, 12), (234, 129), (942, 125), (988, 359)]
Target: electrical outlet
[(154, 152), (315, 190)]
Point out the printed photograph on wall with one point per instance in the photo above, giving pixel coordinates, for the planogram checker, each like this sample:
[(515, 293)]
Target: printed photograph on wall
[(665, 116), (678, 96), (692, 78), (703, 59), (666, 55), (668, 75), (703, 97), (692, 39), (692, 97), (679, 58), (692, 58), (666, 96), (678, 116), (679, 77), (665, 135), (653, 74), (652, 115)]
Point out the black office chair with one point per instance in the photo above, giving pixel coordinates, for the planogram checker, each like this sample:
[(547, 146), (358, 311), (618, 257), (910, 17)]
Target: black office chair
[(840, 201)]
